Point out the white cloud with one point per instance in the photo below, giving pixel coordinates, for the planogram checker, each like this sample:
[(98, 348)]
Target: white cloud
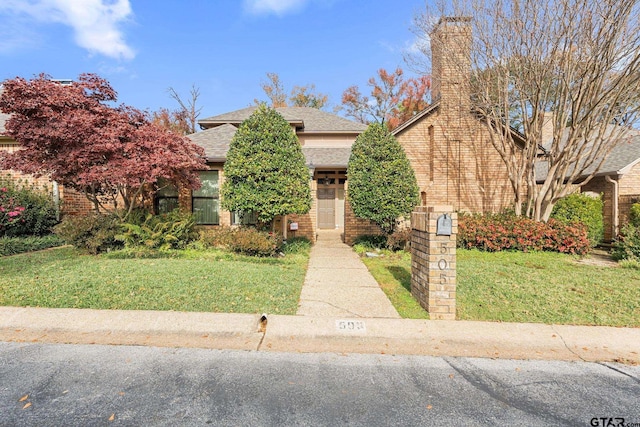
[(95, 22), (420, 44), (278, 7)]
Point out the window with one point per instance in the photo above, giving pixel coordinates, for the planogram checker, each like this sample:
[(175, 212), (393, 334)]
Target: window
[(246, 218), (206, 199), (166, 197)]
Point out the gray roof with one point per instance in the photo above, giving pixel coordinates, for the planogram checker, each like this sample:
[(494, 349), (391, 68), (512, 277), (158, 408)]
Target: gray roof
[(322, 157), (622, 158), (216, 141), (307, 119)]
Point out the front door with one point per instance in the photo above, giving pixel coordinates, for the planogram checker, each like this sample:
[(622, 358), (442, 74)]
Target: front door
[(326, 208)]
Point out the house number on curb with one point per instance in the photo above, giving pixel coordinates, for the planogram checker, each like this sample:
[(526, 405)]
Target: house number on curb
[(350, 325)]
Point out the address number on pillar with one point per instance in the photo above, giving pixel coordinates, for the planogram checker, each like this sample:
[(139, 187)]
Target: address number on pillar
[(443, 264)]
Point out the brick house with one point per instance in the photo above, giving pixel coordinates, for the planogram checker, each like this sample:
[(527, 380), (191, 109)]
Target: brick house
[(448, 146), (67, 201), (326, 141), (618, 181)]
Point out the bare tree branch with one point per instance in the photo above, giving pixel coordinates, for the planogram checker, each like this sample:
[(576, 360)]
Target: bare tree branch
[(563, 73)]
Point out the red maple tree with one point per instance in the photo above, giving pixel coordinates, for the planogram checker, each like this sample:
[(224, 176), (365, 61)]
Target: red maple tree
[(73, 134), (393, 100)]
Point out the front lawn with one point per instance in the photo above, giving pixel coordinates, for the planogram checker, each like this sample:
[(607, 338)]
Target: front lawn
[(210, 281), (539, 287)]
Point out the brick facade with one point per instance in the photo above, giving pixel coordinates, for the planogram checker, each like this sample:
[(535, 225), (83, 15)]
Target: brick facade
[(628, 189), (449, 148), (354, 226)]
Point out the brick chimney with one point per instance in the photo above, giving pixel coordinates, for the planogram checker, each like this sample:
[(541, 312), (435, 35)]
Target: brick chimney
[(451, 64)]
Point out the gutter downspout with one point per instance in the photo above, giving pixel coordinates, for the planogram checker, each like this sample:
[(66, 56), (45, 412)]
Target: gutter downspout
[(616, 222)]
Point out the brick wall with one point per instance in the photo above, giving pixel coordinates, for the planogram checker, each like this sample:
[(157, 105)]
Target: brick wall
[(450, 149), (354, 226), (456, 164)]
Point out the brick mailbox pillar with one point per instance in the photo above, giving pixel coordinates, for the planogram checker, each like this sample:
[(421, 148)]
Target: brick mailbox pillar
[(433, 260)]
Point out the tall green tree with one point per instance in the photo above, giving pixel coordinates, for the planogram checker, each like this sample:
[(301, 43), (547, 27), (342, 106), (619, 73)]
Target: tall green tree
[(265, 170), (382, 184)]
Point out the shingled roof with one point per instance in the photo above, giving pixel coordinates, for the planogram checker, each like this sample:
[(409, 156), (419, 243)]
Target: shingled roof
[(306, 120), (322, 157), (216, 141), (622, 158)]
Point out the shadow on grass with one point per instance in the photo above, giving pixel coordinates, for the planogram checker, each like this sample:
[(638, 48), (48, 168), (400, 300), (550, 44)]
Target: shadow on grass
[(402, 275)]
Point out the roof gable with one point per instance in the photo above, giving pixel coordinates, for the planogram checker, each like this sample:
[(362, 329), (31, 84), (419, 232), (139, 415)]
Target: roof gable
[(305, 119), (417, 118)]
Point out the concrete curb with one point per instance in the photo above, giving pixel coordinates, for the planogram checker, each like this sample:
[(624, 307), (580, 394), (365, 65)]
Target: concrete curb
[(452, 338), (122, 327), (321, 334)]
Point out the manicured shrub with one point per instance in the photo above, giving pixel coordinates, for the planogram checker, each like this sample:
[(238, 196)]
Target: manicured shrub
[(382, 184), (249, 241), (18, 245), (242, 240), (25, 210), (497, 232), (218, 237), (627, 245), (265, 170), (92, 233), (581, 208), (173, 230)]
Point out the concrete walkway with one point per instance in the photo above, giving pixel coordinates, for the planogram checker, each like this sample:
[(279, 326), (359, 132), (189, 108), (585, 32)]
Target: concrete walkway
[(338, 284)]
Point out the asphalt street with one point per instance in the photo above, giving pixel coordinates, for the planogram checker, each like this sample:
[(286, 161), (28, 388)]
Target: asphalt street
[(87, 385)]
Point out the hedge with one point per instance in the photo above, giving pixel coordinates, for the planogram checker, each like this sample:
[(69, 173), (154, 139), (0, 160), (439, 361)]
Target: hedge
[(498, 232)]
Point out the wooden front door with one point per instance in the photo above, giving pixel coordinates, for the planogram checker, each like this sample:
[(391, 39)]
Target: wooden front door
[(326, 208)]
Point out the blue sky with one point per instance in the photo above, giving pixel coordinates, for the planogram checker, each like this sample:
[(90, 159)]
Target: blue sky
[(224, 47)]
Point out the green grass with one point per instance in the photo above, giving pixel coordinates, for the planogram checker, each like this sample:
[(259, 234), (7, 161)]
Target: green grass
[(523, 287), (210, 281)]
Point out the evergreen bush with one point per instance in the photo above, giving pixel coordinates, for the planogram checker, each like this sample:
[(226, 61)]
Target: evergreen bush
[(382, 184), (581, 208), (92, 233), (265, 170)]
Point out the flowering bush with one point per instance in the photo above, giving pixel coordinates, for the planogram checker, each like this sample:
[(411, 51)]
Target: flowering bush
[(25, 210), (497, 232), (10, 210)]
